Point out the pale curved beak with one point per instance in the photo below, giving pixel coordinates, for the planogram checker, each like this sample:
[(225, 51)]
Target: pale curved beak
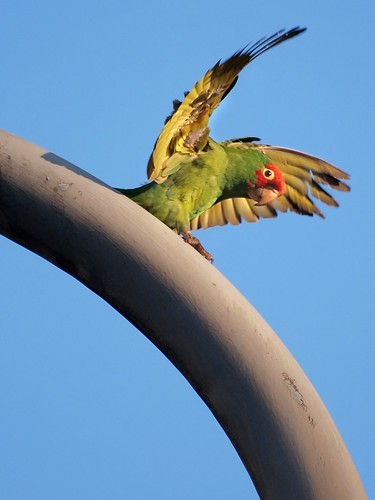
[(263, 195)]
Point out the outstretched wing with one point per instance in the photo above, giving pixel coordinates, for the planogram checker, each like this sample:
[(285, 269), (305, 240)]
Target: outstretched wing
[(187, 131), (304, 176)]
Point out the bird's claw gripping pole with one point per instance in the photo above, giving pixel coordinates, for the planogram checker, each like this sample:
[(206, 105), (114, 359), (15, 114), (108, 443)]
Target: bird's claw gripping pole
[(197, 245)]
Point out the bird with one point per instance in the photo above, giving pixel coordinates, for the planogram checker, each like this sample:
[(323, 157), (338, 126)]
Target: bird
[(196, 182)]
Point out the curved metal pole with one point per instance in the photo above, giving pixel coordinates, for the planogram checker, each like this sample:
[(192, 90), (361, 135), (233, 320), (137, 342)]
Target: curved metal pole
[(257, 391)]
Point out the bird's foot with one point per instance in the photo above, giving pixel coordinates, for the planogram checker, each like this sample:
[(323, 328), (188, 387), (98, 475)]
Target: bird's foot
[(197, 245)]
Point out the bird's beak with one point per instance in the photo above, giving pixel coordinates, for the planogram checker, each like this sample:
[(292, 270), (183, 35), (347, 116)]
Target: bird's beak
[(263, 195)]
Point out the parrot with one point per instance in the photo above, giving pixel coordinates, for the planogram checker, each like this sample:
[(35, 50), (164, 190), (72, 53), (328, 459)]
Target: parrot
[(196, 182)]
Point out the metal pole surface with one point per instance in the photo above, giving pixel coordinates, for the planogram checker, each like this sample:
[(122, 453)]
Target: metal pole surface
[(208, 330)]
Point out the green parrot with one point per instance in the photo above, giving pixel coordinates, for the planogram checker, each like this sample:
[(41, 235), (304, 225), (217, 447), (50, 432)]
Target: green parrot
[(197, 182)]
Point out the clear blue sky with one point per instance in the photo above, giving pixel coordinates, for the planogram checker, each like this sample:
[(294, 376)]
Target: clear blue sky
[(89, 408)]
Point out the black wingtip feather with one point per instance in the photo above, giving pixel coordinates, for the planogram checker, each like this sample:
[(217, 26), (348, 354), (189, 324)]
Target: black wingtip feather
[(267, 43)]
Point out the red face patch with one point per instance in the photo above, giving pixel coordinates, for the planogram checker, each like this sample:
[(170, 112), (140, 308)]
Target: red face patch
[(271, 177)]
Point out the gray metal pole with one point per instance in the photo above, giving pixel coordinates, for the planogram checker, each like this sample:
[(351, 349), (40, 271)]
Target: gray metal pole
[(257, 391)]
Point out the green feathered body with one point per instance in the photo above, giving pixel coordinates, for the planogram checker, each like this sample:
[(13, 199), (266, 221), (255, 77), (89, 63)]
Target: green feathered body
[(199, 182)]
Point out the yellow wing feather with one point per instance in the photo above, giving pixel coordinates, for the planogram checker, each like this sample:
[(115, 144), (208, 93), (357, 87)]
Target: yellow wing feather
[(187, 131), (232, 211)]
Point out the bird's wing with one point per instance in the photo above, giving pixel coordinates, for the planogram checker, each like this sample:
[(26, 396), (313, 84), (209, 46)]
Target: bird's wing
[(186, 131), (232, 211), (304, 176)]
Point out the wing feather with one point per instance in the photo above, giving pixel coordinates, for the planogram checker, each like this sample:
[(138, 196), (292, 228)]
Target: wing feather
[(187, 131), (232, 211)]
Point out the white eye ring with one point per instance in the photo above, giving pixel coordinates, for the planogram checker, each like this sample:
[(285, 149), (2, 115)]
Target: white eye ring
[(268, 174)]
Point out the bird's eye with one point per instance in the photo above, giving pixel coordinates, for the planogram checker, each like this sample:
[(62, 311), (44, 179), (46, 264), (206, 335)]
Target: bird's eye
[(268, 174)]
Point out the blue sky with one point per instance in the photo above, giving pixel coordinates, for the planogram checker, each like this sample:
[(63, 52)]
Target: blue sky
[(89, 408)]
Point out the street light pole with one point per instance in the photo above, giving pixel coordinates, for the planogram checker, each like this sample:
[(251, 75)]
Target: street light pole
[(207, 329)]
